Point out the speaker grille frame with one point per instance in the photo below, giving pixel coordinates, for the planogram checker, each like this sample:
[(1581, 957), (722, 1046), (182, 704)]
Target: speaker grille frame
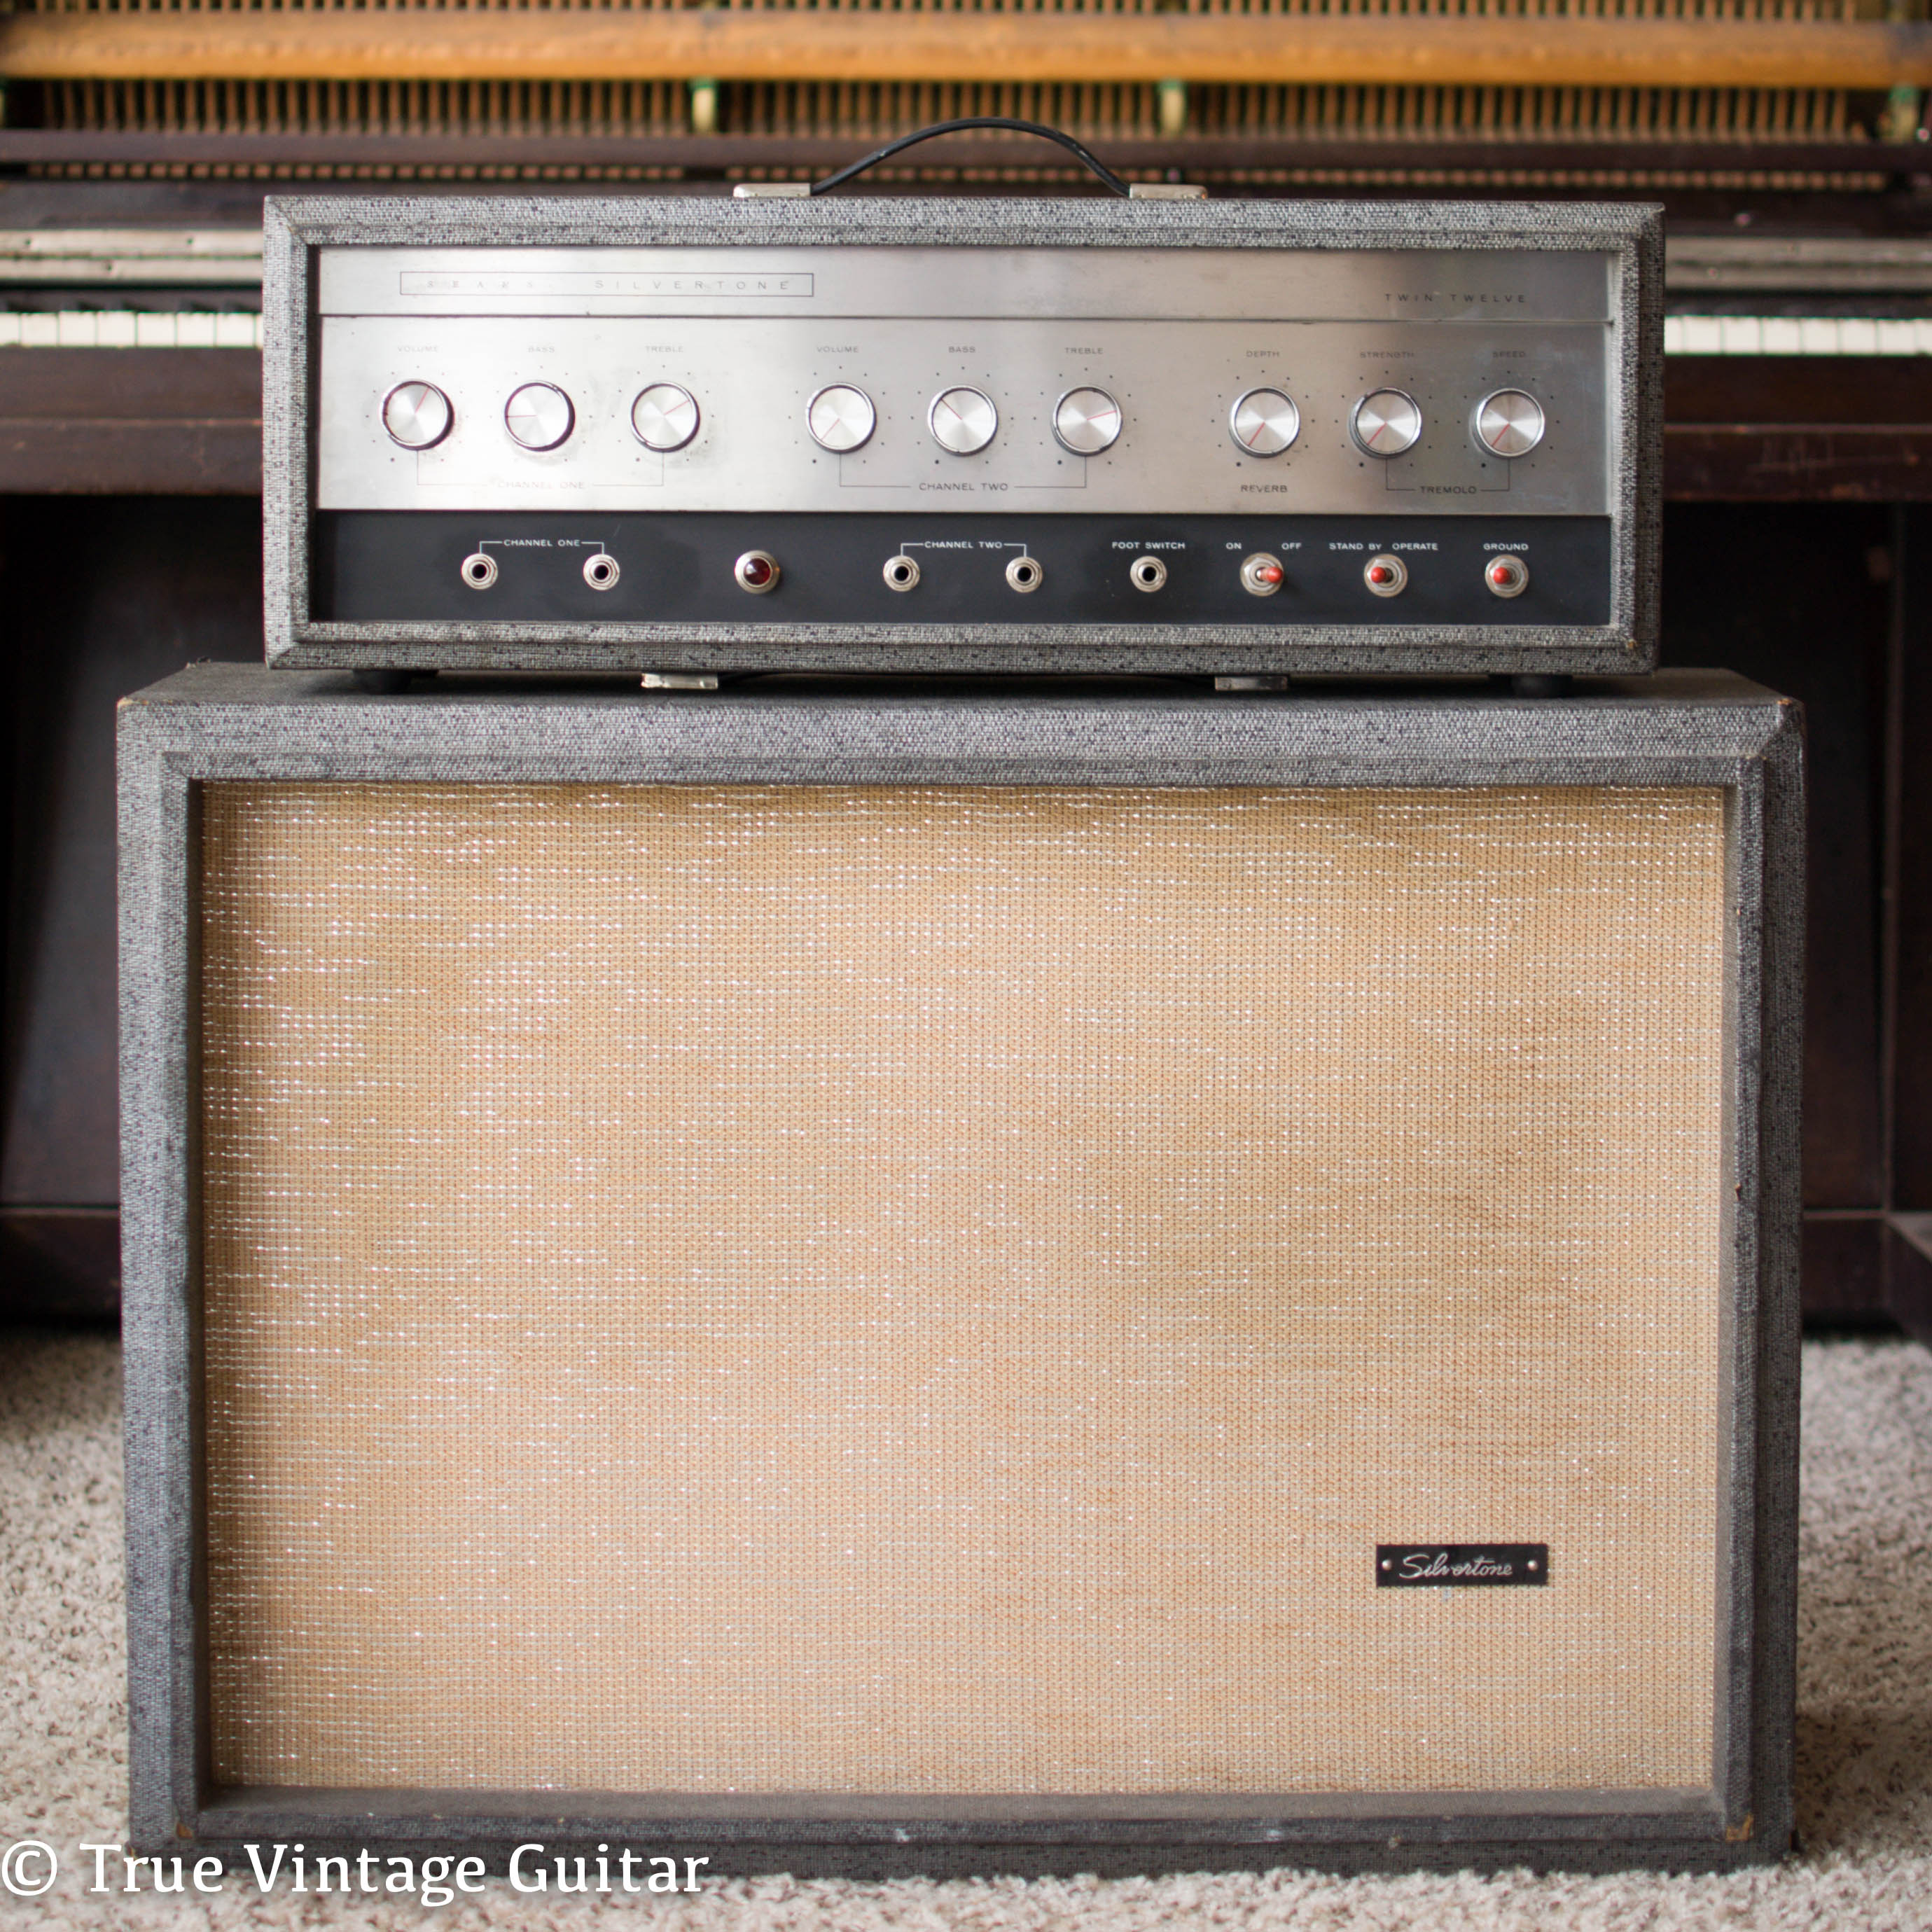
[(221, 723)]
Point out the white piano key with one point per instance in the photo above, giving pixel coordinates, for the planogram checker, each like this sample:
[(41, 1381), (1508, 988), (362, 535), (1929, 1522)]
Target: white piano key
[(1703, 335), (1820, 334), (1783, 335), (1742, 335), (10, 329), (39, 329), (1898, 338), (1673, 335), (241, 331), (193, 331), (1857, 335), (154, 332), (115, 328)]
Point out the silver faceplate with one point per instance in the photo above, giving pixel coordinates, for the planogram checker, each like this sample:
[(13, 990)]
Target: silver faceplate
[(1175, 339)]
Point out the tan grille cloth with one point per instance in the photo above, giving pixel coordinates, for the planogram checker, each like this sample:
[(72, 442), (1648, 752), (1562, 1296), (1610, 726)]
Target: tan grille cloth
[(932, 1290)]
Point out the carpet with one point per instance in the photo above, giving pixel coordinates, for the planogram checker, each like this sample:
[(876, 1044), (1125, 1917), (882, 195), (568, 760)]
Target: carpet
[(1864, 1734)]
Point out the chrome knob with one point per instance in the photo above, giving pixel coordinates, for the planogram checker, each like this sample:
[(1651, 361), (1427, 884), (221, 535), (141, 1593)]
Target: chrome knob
[(1264, 422), (417, 415), (962, 420), (1386, 422), (539, 416), (841, 418), (1087, 421), (664, 416), (1509, 423)]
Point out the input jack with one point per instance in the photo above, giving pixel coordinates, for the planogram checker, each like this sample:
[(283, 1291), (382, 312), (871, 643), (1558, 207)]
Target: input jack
[(601, 572), (758, 571), (1261, 575), (479, 570), (901, 573), (1147, 573), (1024, 573)]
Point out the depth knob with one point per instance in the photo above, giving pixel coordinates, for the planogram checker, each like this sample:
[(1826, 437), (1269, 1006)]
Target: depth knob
[(664, 416), (962, 420), (1509, 423), (841, 418), (1087, 421), (1386, 422), (416, 415), (539, 416), (1264, 422)]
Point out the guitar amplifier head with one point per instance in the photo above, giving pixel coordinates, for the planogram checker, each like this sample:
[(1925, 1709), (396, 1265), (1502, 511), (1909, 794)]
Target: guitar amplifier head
[(951, 1282), (908, 435)]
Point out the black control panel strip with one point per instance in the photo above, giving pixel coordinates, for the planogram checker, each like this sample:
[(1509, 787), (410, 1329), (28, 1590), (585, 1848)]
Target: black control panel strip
[(1384, 573)]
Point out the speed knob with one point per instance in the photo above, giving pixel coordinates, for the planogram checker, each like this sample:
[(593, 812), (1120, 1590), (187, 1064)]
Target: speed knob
[(1264, 422), (1386, 422), (664, 416), (1087, 421), (841, 418), (962, 420), (416, 415), (538, 415), (1509, 423)]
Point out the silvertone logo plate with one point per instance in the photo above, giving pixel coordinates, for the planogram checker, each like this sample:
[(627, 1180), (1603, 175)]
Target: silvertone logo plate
[(1410, 1566)]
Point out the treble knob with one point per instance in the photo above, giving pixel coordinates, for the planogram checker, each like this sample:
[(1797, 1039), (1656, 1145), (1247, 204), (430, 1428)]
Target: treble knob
[(1386, 423), (539, 416), (1509, 423), (1087, 421), (664, 417), (417, 415), (963, 421)]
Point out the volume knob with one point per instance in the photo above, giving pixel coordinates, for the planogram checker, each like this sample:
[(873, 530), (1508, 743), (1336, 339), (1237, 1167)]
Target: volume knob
[(539, 416), (1264, 422), (963, 421), (416, 415), (1509, 423), (841, 418), (1087, 421), (1386, 423)]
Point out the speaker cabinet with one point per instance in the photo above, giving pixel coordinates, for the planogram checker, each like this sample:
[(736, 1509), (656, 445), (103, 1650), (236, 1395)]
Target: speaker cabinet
[(948, 1281)]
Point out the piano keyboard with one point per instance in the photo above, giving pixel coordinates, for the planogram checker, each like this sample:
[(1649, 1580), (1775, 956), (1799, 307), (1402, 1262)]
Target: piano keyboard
[(1683, 334)]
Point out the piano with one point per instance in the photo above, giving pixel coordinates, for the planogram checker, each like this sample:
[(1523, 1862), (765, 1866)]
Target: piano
[(1788, 139)]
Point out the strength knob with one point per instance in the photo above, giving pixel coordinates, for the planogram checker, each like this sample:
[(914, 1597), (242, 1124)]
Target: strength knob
[(664, 416), (1264, 422), (962, 420), (1386, 423), (841, 418), (539, 416), (1509, 423), (416, 415), (1087, 421)]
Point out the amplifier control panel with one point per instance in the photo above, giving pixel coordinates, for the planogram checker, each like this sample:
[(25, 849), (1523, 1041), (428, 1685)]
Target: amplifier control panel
[(820, 449)]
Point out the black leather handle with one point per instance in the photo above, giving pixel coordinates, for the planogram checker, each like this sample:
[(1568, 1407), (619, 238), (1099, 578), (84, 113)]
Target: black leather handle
[(1074, 147)]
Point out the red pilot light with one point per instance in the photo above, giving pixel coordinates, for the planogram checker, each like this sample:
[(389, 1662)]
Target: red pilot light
[(757, 571)]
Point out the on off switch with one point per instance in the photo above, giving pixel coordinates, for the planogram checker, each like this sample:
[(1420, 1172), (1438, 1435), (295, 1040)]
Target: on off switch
[(1261, 575)]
